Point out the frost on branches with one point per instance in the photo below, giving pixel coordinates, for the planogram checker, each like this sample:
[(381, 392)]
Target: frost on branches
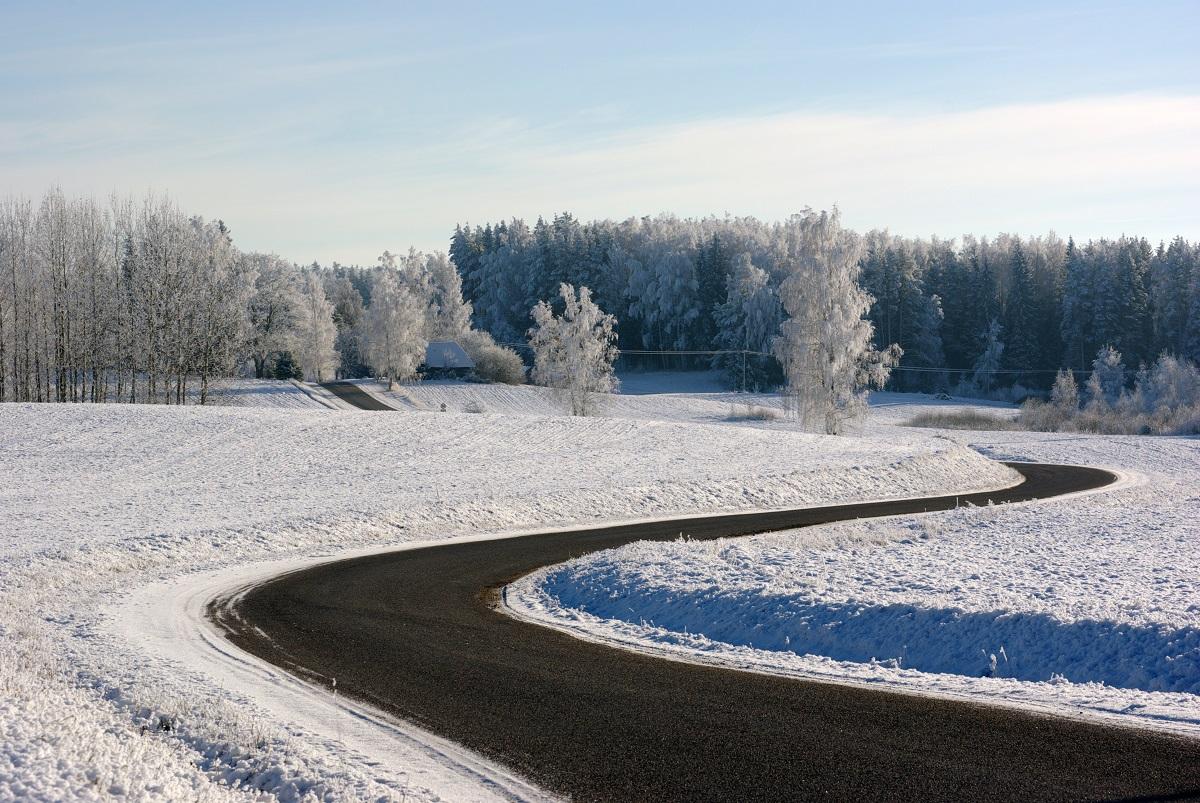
[(574, 352), (825, 345), (395, 329), (316, 333)]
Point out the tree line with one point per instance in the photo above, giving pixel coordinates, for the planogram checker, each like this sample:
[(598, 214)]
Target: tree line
[(1006, 311), (129, 301), (136, 301)]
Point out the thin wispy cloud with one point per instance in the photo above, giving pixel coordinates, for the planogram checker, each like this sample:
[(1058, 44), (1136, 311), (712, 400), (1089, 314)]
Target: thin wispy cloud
[(334, 136)]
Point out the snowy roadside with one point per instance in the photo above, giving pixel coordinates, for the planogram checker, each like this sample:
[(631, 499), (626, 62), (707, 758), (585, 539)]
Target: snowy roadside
[(1081, 607), (113, 514)]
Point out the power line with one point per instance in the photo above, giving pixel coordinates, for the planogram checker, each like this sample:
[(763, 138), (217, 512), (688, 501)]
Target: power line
[(750, 353)]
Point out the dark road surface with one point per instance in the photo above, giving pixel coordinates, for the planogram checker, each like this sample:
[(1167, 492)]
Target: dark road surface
[(415, 633), (355, 395)]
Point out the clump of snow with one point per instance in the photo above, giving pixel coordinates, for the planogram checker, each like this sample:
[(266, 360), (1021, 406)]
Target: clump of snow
[(1086, 603), (101, 501)]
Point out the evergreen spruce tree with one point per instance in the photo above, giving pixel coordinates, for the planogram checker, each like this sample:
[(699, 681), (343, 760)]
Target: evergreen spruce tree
[(1020, 348), (1171, 276), (286, 367), (713, 267), (1191, 330), (1077, 309), (747, 321), (991, 354)]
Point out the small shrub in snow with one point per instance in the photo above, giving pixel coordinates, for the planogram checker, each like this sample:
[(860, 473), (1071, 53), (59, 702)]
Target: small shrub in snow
[(1065, 393), (752, 412), (497, 364), (1164, 401), (1108, 376)]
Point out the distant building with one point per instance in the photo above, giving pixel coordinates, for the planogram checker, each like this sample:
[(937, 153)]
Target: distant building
[(446, 358)]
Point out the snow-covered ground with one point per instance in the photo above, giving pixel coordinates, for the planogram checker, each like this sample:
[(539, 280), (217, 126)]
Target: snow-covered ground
[(1082, 606), (650, 400), (266, 393), (116, 521)]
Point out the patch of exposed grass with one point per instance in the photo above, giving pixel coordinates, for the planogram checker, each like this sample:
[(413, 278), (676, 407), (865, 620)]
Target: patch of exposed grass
[(963, 419)]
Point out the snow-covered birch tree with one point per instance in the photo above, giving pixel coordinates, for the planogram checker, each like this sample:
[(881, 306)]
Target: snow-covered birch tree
[(825, 344), (395, 329), (316, 334), (574, 352), (274, 308)]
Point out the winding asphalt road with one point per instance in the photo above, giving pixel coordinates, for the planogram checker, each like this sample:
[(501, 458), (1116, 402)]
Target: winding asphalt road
[(353, 394), (418, 634)]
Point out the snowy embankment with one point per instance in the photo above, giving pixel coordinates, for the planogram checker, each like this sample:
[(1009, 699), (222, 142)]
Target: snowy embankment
[(1086, 605), (117, 521), (266, 393), (700, 407)]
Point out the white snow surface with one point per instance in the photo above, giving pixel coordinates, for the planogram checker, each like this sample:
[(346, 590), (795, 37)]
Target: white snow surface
[(702, 407), (117, 523), (1084, 606), (266, 393)]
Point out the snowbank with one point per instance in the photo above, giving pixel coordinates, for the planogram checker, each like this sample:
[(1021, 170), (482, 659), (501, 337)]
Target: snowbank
[(104, 505), (1083, 604)]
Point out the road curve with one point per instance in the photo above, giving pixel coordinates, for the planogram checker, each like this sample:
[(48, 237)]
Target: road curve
[(356, 396), (416, 633)]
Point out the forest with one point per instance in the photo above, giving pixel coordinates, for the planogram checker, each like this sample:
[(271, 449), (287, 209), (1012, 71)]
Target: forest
[(1000, 313), (135, 300)]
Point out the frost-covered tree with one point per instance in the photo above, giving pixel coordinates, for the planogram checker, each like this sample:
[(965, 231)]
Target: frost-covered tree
[(903, 311), (1165, 400), (395, 328), (315, 341), (746, 324), (574, 352), (274, 308), (984, 370), (1064, 395), (1191, 336), (1108, 376), (1020, 345), (825, 344), (714, 266), (662, 293), (451, 315), (1077, 307), (220, 310), (1170, 384), (923, 354), (349, 312)]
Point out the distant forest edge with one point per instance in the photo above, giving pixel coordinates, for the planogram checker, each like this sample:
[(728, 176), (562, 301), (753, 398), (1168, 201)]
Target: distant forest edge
[(1010, 308), (134, 300)]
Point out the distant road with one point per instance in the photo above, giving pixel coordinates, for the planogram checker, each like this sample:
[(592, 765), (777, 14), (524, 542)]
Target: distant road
[(353, 394), (417, 633)]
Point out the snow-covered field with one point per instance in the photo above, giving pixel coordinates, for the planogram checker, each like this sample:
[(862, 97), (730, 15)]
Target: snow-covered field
[(115, 521), (266, 393), (1082, 606), (703, 406)]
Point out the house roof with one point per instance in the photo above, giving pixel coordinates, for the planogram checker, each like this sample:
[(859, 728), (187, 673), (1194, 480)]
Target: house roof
[(447, 354)]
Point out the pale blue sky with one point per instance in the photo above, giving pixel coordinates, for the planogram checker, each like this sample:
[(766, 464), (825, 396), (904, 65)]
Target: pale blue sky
[(325, 132)]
